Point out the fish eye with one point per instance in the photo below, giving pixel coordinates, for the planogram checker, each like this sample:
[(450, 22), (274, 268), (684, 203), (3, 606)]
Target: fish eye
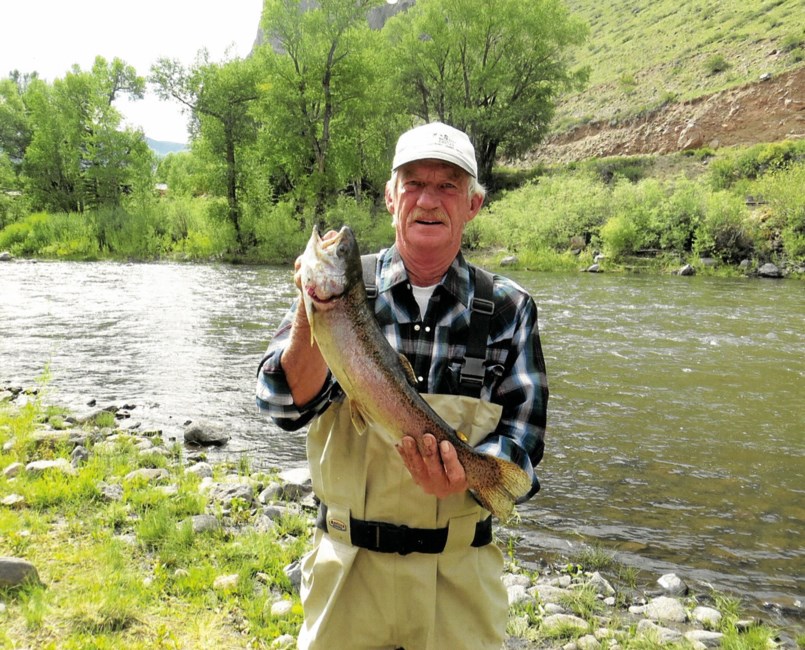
[(342, 249)]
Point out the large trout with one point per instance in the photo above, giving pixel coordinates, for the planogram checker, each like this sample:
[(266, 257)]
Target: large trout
[(378, 381)]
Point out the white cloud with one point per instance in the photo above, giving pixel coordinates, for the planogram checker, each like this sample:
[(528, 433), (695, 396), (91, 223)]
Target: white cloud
[(49, 36)]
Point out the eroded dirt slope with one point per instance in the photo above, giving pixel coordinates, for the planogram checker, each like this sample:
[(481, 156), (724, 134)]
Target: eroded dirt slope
[(766, 111)]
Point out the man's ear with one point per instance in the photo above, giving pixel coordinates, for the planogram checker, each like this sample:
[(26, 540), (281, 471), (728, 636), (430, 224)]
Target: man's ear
[(389, 199), (476, 202)]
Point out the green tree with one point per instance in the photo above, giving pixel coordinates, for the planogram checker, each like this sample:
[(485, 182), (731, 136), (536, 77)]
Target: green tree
[(326, 107), (78, 156), (15, 126), (493, 69), (218, 96)]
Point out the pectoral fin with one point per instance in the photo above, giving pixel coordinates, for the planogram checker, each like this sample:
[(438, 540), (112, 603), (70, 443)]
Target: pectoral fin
[(409, 371), (358, 421)]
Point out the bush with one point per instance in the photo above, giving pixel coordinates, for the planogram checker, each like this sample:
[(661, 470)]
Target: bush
[(784, 191), (620, 236), (715, 64), (555, 213), (724, 231)]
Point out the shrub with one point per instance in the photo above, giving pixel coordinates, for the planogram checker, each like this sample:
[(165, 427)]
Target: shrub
[(724, 232), (715, 64), (620, 236)]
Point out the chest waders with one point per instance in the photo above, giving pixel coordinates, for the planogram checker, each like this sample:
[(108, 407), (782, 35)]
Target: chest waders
[(392, 566)]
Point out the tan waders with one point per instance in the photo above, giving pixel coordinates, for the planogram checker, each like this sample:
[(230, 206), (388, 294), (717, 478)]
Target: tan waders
[(357, 599)]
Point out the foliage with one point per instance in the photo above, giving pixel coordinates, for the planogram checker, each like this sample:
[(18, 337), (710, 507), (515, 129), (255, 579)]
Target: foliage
[(723, 232), (78, 156), (715, 64), (494, 70), (785, 220), (327, 104), (219, 96), (741, 33), (753, 162)]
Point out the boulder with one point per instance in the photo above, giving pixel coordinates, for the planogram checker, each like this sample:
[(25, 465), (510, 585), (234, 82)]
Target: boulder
[(15, 572), (205, 435), (769, 270)]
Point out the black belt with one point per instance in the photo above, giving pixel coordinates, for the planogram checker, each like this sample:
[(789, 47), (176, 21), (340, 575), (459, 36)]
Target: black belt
[(388, 538)]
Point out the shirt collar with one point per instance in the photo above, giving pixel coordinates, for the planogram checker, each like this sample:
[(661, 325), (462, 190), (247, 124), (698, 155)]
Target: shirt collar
[(456, 281)]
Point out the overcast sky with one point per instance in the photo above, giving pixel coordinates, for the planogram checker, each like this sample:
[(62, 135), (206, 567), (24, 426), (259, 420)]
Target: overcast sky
[(49, 36)]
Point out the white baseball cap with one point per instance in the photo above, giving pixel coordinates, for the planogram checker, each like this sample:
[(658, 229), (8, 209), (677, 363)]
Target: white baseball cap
[(438, 141)]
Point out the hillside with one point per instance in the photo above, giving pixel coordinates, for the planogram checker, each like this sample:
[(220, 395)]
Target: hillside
[(665, 76), (765, 111)]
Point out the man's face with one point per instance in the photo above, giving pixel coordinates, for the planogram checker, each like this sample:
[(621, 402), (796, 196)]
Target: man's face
[(431, 207)]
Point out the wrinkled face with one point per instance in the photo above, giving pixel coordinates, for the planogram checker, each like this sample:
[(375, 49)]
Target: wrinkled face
[(431, 207)]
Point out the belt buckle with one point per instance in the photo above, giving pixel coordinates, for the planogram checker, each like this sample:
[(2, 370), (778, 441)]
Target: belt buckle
[(402, 543)]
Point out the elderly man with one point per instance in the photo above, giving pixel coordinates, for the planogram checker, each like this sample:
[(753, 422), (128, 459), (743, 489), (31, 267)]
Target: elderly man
[(402, 555)]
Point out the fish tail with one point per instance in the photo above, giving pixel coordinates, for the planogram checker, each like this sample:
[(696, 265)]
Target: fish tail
[(497, 484)]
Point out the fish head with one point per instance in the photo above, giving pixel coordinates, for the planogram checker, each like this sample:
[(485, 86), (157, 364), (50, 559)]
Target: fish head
[(329, 268)]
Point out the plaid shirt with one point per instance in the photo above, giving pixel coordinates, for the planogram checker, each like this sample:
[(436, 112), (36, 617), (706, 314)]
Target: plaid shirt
[(435, 346)]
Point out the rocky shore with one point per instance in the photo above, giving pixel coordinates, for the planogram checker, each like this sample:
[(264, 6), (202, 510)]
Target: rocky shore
[(557, 606)]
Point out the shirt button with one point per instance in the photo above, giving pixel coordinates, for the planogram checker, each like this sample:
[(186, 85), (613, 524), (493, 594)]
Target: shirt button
[(416, 328), (420, 379), (427, 329)]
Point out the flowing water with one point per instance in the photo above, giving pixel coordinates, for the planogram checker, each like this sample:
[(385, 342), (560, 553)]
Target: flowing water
[(676, 432)]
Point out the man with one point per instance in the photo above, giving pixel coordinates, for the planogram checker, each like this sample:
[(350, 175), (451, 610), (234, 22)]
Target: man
[(402, 554)]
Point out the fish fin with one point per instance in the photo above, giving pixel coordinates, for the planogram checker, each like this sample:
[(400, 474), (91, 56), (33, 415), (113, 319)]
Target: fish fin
[(501, 484), (358, 421), (410, 375)]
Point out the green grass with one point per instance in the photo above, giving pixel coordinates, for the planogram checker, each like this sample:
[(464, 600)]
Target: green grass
[(132, 574), (641, 52)]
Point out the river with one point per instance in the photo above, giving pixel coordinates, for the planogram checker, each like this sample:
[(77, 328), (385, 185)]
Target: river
[(676, 435)]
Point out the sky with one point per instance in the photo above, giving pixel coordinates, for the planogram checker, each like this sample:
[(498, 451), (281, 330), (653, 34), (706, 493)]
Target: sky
[(49, 36)]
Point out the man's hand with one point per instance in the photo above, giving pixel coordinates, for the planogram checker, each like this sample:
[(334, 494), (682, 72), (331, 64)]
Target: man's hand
[(435, 468)]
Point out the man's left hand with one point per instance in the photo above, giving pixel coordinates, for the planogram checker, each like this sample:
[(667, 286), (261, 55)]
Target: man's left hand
[(435, 466)]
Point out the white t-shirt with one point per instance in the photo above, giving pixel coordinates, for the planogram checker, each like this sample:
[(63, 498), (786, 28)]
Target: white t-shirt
[(422, 296)]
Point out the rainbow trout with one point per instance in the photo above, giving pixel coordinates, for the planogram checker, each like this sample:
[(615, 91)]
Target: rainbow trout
[(378, 381)]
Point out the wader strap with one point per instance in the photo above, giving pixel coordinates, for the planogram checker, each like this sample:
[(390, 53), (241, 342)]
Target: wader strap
[(482, 307), (369, 263), (388, 538)]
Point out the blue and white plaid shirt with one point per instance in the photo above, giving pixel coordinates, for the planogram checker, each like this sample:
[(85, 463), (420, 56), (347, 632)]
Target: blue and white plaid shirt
[(435, 346)]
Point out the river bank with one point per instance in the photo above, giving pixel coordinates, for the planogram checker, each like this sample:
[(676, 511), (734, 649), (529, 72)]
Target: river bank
[(191, 554)]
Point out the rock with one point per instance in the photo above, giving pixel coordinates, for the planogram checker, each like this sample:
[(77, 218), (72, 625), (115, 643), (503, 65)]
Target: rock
[(204, 523), (769, 270), (281, 608), (707, 639), (662, 634), (564, 622), (79, 456), (284, 642), (12, 500), (15, 572), (666, 609), (59, 465), (226, 493), (12, 470), (517, 594), (593, 268), (588, 642), (294, 573), (205, 435), (687, 270), (202, 470), (226, 583), (509, 260), (672, 585), (511, 579), (5, 256), (707, 616), (148, 474), (692, 137), (600, 584), (110, 492)]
